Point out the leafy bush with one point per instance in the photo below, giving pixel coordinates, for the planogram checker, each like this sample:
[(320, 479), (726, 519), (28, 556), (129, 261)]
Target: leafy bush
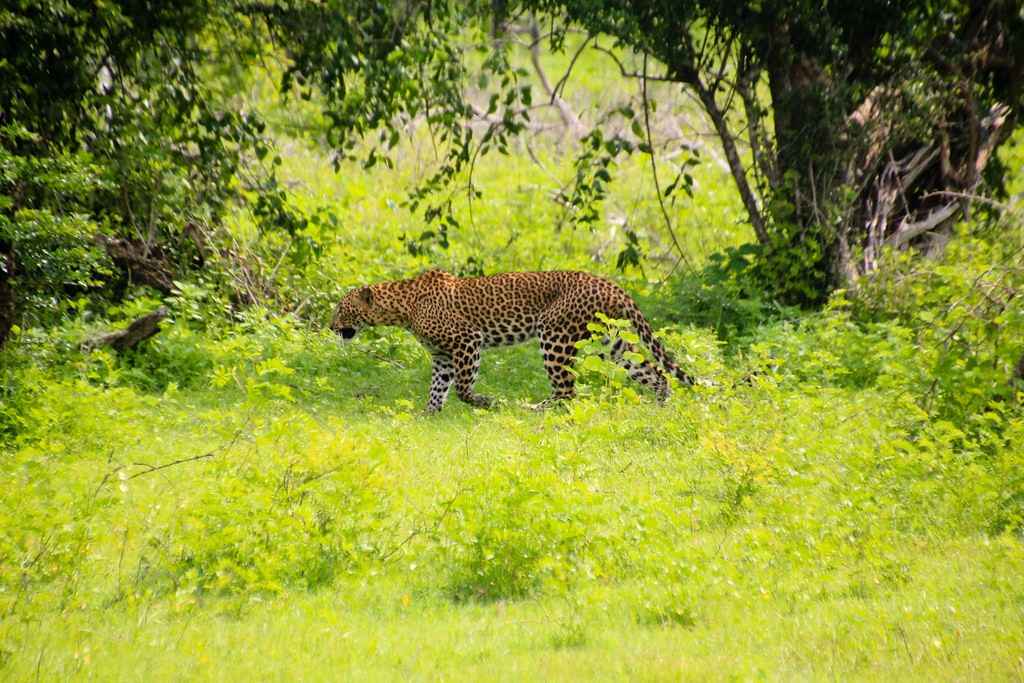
[(256, 528), (45, 225), (832, 347), (723, 296), (698, 351), (594, 367), (510, 531), (966, 313), (947, 331)]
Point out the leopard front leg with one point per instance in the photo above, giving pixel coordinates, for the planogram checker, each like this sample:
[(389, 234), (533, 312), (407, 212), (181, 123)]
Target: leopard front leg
[(466, 358), (442, 374)]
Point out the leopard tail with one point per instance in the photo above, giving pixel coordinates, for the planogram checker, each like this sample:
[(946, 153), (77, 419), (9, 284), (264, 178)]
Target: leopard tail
[(643, 328)]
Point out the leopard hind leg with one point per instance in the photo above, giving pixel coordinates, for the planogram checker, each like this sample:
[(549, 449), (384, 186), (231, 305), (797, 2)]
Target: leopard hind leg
[(643, 372), (559, 350)]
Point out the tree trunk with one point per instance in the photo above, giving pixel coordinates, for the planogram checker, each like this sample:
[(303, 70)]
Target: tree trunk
[(7, 310), (807, 126), (140, 263), (859, 180)]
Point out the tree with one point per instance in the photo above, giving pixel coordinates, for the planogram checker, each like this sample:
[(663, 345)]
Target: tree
[(867, 124), (848, 127), (120, 131), (112, 141)]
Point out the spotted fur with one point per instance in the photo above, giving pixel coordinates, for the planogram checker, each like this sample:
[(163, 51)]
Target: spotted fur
[(455, 318)]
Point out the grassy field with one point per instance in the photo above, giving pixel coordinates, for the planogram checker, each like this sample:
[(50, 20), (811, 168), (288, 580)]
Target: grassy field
[(244, 498), (758, 533)]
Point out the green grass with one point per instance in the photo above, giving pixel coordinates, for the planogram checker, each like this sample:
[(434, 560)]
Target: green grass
[(947, 627), (774, 531)]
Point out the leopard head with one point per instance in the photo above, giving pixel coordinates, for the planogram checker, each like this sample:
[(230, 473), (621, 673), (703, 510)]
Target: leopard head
[(353, 312)]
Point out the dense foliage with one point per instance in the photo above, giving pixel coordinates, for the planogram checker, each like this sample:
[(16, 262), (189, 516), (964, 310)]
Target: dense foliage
[(118, 143), (248, 480), (858, 117), (140, 103)]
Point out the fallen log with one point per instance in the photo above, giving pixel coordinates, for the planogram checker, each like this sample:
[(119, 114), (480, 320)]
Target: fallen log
[(140, 329)]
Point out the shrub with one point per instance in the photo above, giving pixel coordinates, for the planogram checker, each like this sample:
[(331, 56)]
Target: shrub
[(257, 527), (722, 297), (965, 312), (511, 530)]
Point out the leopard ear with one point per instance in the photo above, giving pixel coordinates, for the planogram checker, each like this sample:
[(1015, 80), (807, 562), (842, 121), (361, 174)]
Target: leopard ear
[(366, 296)]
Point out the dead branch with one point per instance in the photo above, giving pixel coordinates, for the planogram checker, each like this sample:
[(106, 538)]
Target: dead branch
[(481, 118), (908, 230), (654, 168), (150, 469), (157, 468), (569, 119), (1003, 206), (139, 330), (993, 126), (896, 214), (142, 263)]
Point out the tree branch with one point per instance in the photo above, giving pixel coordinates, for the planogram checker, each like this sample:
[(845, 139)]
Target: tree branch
[(654, 168), (758, 147), (739, 174), (181, 461), (560, 85), (139, 330), (569, 118), (909, 230), (633, 74)]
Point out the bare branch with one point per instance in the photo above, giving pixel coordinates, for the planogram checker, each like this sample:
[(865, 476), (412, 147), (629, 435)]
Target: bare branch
[(739, 173), (972, 197), (633, 74), (992, 125), (560, 85), (202, 456), (569, 118), (717, 81), (909, 230), (654, 169)]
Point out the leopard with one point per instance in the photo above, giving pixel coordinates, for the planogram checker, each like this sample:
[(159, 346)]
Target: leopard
[(455, 318)]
